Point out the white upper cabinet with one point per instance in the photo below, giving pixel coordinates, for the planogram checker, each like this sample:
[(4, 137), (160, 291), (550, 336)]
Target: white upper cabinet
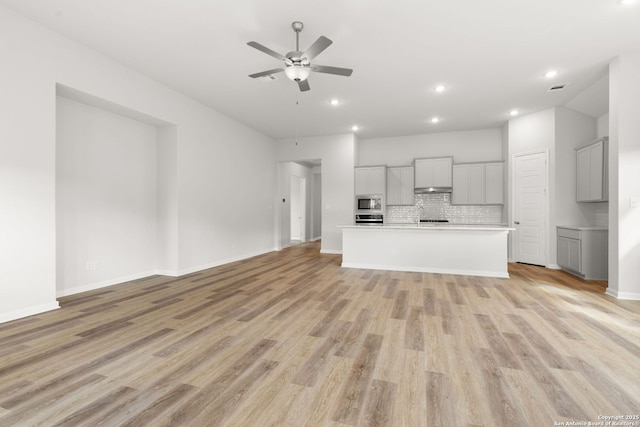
[(370, 180), (592, 176), (478, 184), (434, 172), (494, 183), (400, 186)]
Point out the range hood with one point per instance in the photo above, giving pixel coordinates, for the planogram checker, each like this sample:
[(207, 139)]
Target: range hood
[(428, 190)]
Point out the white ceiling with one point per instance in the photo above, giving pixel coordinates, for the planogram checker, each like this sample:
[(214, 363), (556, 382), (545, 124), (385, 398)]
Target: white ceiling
[(491, 54)]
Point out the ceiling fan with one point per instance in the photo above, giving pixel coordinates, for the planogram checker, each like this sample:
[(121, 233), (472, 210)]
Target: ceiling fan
[(298, 64)]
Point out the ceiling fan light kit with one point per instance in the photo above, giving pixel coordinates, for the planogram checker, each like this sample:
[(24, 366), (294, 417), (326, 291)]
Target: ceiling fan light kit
[(297, 64), (297, 72)]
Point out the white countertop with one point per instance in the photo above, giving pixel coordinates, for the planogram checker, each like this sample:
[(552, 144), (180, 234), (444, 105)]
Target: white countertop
[(432, 226), (584, 227)]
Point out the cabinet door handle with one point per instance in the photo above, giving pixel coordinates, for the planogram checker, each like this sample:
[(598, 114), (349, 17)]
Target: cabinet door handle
[(516, 222)]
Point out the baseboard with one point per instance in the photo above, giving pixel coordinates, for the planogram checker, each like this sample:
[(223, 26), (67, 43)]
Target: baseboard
[(197, 268), (170, 273), (554, 267), (28, 311), (623, 295), (330, 251), (104, 283)]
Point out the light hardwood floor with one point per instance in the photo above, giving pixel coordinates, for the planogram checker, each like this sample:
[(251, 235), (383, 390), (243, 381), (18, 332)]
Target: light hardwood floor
[(291, 338)]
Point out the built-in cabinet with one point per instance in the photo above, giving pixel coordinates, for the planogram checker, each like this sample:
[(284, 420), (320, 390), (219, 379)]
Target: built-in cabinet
[(433, 172), (478, 184), (370, 180), (592, 172), (583, 251), (400, 186)]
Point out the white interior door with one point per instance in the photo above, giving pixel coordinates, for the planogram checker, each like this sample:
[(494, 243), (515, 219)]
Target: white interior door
[(298, 201), (530, 208)]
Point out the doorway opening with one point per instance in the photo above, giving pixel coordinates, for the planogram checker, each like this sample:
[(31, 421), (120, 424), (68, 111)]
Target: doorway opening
[(300, 191)]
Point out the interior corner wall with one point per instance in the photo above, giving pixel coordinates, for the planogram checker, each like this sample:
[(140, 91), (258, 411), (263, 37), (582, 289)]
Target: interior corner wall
[(337, 154), (573, 130), (167, 196), (219, 162), (106, 197), (624, 185), (603, 125)]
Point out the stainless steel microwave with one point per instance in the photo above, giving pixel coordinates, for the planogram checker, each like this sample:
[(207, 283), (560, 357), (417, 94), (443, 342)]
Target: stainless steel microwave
[(369, 203)]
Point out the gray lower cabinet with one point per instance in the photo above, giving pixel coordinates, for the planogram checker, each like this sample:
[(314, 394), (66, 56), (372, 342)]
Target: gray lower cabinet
[(583, 251)]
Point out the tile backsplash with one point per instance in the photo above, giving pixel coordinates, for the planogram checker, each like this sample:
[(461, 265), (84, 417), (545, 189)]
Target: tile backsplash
[(438, 206)]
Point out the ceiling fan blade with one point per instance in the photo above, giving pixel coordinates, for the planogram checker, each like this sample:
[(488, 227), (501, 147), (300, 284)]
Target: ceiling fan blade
[(316, 48), (303, 85), (266, 73), (332, 70), (266, 50)]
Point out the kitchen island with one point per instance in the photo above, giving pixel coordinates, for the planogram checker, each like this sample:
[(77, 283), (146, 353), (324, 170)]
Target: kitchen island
[(474, 250)]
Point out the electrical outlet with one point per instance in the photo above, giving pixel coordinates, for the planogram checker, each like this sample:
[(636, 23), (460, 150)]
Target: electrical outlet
[(91, 265), (633, 202)]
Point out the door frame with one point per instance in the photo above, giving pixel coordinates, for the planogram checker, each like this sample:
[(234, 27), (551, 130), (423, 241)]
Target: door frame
[(512, 204)]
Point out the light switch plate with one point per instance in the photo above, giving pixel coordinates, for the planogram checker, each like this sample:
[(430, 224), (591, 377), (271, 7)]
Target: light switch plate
[(633, 202)]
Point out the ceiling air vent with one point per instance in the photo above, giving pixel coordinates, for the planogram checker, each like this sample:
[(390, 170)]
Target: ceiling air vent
[(558, 87)]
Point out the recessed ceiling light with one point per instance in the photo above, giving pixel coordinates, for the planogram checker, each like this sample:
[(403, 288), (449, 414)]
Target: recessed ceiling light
[(435, 120), (514, 112), (355, 128), (335, 102), (551, 74), (440, 88), (628, 2)]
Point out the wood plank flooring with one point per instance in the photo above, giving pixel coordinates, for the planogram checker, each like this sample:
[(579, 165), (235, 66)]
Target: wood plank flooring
[(292, 339)]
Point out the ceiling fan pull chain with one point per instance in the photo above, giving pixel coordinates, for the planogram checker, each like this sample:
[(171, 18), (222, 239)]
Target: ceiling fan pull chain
[(296, 115)]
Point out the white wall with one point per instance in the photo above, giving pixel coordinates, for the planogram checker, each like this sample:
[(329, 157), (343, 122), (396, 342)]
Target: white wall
[(624, 178), (106, 197), (167, 209), (337, 154), (603, 125), (466, 146), (226, 172), (573, 130)]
